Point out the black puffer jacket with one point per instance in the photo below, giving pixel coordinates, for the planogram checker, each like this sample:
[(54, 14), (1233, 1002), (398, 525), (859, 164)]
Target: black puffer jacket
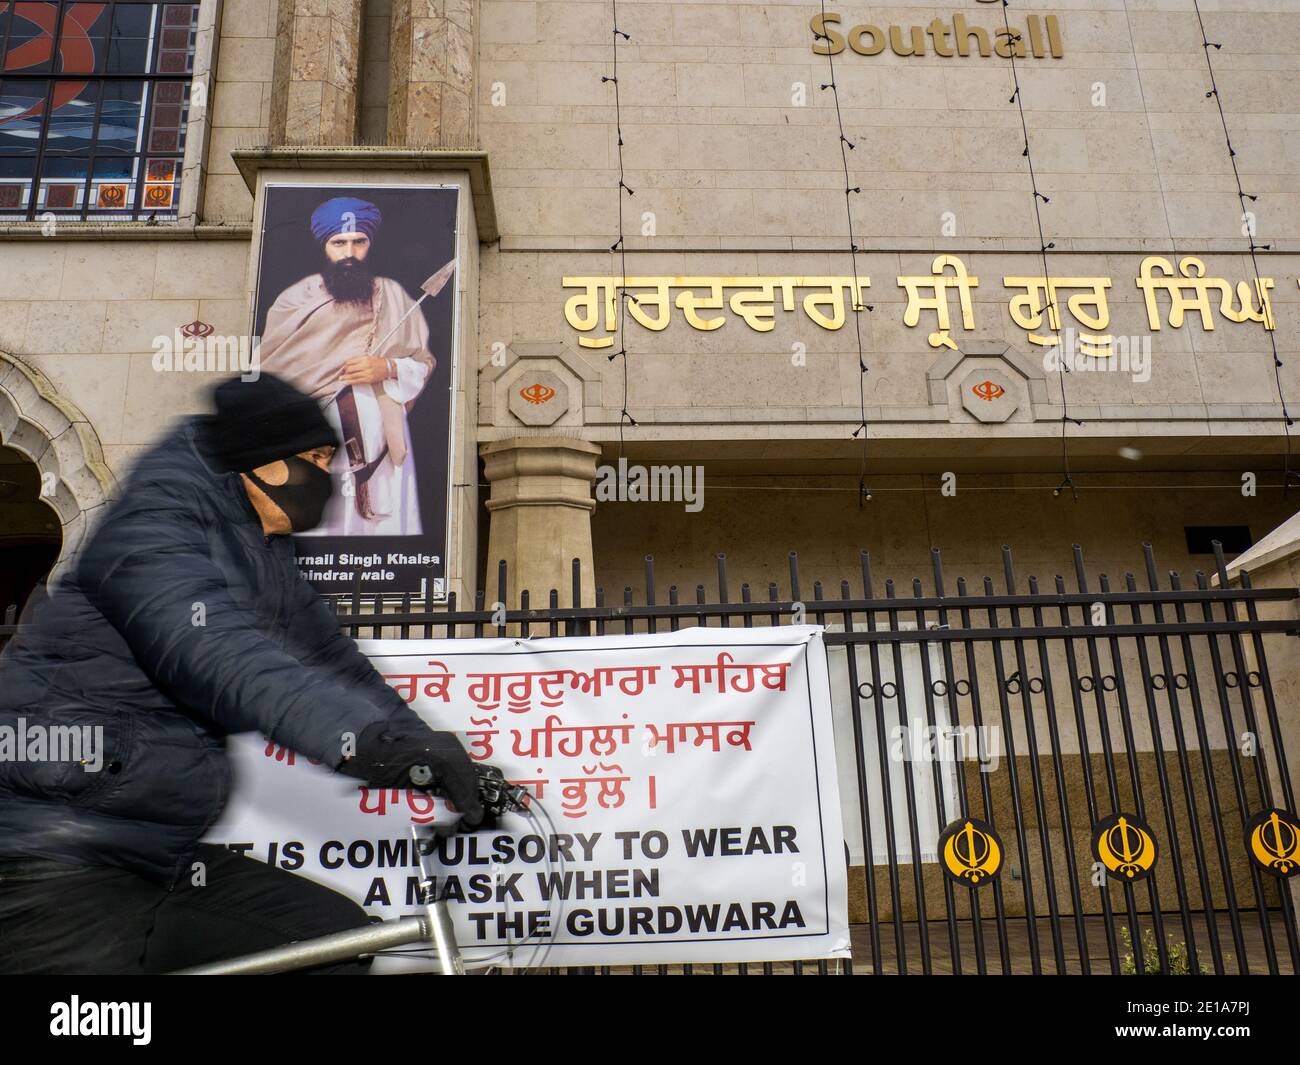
[(180, 624)]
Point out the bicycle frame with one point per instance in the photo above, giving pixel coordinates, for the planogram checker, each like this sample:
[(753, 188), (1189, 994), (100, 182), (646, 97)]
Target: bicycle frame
[(434, 927)]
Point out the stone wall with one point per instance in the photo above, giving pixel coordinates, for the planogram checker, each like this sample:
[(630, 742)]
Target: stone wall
[(722, 152), (241, 104), (86, 314), (732, 150)]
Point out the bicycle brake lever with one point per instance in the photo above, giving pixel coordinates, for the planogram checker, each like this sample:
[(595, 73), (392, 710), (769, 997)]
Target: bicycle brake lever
[(496, 793)]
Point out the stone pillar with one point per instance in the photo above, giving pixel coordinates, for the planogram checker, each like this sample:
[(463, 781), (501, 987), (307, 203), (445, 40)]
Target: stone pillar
[(433, 61), (1274, 562), (314, 87), (540, 509)]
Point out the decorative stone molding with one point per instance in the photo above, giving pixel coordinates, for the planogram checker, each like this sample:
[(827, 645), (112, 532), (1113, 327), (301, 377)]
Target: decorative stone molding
[(540, 507), (1024, 386), (989, 396), (361, 158), (538, 398), (198, 135), (51, 431), (525, 364)]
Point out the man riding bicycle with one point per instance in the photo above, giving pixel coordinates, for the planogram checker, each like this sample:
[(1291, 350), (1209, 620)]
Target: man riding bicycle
[(184, 619)]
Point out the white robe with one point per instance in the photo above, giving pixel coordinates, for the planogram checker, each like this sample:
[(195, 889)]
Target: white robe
[(393, 495)]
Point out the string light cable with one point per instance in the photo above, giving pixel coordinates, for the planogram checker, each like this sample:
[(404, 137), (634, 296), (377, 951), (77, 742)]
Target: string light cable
[(846, 146), (1270, 325), (622, 296), (1017, 97)]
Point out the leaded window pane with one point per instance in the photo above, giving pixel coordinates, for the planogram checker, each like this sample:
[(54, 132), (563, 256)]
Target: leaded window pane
[(94, 99), (22, 104)]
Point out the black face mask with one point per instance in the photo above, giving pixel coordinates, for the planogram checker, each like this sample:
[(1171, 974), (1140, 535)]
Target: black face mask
[(303, 496)]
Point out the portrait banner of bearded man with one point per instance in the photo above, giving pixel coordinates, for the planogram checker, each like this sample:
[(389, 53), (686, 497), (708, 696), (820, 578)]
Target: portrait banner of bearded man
[(322, 334)]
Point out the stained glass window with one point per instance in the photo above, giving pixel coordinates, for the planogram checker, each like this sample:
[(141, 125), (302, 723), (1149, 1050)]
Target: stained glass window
[(94, 98)]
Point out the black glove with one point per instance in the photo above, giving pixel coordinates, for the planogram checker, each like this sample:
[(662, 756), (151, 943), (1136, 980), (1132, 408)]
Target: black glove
[(428, 760)]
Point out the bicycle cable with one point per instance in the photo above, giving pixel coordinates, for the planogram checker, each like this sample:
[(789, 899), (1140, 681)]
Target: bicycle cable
[(552, 924), (512, 947)]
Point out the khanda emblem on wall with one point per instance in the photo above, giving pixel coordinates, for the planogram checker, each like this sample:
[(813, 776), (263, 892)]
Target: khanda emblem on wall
[(111, 196), (1273, 842), (1125, 846), (989, 391), (537, 393), (970, 852)]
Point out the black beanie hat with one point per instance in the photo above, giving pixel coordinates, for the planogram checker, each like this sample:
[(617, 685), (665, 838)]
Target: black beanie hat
[(263, 420)]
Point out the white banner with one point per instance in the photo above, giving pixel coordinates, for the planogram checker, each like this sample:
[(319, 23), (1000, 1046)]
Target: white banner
[(688, 779), (912, 745)]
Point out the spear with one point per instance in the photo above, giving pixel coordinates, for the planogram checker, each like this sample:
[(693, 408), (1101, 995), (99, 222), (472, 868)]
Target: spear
[(433, 284)]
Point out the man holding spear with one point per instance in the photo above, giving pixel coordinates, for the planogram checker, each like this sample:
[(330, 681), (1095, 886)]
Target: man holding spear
[(354, 342)]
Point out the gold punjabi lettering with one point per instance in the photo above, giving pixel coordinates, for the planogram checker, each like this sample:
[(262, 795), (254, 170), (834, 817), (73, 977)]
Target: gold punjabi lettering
[(582, 311), (639, 301), (757, 305), (689, 303), (834, 298), (939, 283), (1036, 304), (752, 299), (1192, 269), (1157, 274), (1089, 308)]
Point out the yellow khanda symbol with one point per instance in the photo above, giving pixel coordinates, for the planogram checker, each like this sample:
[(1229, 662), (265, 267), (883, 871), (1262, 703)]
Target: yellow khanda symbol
[(971, 853), (1275, 843), (1126, 848)]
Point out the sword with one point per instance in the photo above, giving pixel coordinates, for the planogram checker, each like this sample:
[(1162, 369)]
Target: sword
[(433, 284)]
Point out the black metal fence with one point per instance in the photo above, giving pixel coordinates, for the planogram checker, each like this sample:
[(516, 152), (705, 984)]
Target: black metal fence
[(1113, 747), (1101, 784)]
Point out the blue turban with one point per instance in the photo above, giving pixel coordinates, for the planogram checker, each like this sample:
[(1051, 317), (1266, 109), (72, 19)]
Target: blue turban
[(328, 219)]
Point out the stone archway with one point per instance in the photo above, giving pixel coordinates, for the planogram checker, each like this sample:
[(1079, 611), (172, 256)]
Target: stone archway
[(53, 432)]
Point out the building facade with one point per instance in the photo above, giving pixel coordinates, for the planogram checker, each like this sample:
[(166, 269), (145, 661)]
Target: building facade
[(741, 342), (728, 278)]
